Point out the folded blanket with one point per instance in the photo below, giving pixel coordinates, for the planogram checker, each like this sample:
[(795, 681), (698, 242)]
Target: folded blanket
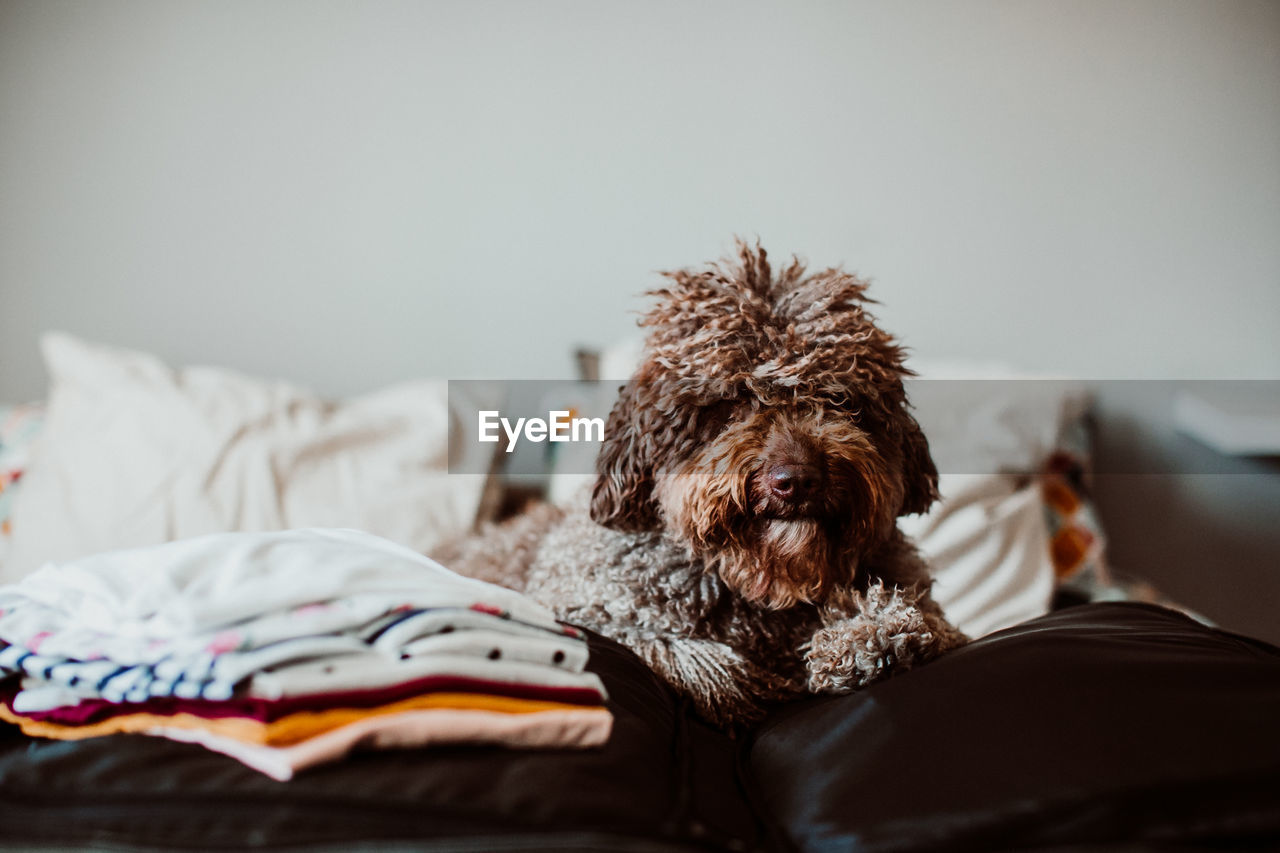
[(197, 617), (303, 667), (236, 592), (289, 648)]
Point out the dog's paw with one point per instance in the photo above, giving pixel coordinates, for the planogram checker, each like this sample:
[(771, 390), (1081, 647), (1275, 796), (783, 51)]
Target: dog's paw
[(843, 657), (884, 630), (854, 653)]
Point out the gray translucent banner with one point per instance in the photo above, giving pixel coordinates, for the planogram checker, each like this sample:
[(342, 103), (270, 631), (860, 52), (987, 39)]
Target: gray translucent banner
[(536, 428)]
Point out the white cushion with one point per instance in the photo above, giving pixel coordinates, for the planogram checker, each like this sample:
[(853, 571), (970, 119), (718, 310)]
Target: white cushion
[(136, 453), (988, 545)]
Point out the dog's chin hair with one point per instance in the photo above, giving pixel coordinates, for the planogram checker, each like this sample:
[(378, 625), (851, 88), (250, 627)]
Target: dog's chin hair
[(772, 562), (791, 536), (789, 564)]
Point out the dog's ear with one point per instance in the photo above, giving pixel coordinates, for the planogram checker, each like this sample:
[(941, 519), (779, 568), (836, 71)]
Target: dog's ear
[(919, 474), (623, 495)]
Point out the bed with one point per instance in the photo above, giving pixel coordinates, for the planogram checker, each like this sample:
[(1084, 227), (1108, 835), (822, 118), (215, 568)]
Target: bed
[(1088, 712)]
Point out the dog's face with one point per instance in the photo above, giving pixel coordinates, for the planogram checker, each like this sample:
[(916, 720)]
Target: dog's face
[(767, 428)]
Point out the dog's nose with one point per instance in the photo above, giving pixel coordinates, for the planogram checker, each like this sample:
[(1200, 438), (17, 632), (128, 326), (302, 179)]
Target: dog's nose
[(793, 482)]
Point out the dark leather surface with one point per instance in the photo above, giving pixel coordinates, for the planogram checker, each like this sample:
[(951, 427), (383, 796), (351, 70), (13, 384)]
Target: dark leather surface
[(1111, 727), (664, 782), (1120, 726)]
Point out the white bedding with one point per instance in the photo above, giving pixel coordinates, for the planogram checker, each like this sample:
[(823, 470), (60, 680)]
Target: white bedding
[(136, 453)]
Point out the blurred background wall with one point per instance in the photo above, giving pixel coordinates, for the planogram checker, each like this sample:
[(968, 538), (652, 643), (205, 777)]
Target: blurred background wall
[(344, 194)]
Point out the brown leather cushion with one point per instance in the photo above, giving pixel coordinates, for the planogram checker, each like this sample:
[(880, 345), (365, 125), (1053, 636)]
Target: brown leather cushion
[(1097, 724)]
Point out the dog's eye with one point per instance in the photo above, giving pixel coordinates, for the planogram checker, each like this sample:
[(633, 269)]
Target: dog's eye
[(716, 416)]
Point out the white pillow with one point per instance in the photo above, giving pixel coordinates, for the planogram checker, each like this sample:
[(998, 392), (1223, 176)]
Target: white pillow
[(987, 542), (991, 428), (136, 453)]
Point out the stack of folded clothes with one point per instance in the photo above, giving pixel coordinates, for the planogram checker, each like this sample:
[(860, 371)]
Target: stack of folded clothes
[(285, 650)]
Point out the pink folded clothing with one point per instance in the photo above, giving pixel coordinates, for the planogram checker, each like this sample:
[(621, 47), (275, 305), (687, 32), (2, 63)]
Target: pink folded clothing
[(574, 728)]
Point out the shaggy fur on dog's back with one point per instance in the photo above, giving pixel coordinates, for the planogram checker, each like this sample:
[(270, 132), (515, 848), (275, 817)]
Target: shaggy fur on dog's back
[(741, 535)]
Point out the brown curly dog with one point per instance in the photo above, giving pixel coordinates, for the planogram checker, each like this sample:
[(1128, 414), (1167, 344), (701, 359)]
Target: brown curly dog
[(741, 536)]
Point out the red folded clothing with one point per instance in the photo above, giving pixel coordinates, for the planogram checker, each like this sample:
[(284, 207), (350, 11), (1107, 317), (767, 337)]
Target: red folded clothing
[(266, 710)]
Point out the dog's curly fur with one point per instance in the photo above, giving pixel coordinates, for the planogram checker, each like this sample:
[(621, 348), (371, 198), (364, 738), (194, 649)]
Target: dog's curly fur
[(741, 536)]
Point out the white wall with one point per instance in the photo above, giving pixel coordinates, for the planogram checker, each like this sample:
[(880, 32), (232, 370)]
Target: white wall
[(350, 193)]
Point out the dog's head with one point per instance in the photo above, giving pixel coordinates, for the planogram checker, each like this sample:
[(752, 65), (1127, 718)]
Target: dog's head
[(767, 427)]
